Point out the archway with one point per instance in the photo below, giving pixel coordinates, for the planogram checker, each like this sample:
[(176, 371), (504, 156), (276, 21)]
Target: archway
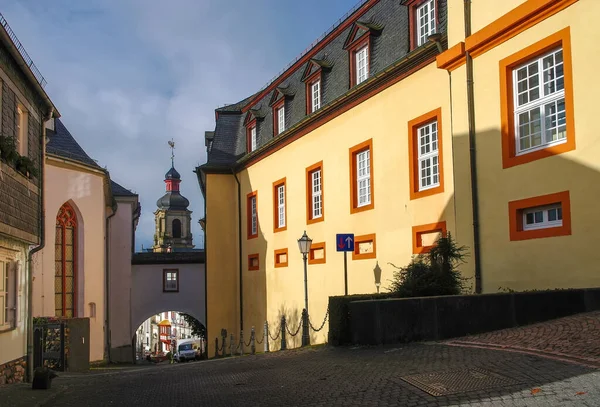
[(68, 281), (176, 226), (169, 333)]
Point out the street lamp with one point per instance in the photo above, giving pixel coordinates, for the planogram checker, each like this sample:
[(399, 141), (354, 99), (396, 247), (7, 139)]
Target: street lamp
[(304, 245)]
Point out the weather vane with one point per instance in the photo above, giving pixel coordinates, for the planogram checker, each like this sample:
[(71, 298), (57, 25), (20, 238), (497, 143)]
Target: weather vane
[(172, 145)]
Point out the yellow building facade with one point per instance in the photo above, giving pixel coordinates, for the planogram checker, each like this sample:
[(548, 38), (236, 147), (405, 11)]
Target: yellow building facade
[(375, 139)]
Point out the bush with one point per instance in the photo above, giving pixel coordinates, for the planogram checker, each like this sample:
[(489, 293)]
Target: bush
[(433, 273)]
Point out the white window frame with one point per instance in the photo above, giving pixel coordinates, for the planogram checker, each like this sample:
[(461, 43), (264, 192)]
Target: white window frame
[(363, 176), (281, 119), (316, 193), (8, 294), (253, 138), (545, 101), (425, 21), (253, 216), (281, 206), (362, 56), (315, 92), (544, 212), (428, 155)]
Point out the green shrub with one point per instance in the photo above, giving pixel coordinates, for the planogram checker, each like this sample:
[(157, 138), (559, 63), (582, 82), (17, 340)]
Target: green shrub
[(8, 150), (433, 273)]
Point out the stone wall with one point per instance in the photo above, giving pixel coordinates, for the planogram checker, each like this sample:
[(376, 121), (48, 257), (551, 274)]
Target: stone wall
[(13, 371)]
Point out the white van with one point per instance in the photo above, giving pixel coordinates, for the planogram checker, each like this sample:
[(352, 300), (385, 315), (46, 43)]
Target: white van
[(188, 349)]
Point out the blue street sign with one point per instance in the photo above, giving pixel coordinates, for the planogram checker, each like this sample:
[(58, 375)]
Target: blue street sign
[(344, 242)]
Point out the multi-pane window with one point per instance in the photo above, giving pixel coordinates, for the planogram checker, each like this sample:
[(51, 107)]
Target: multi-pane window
[(253, 216), (253, 139), (362, 64), (317, 193), (281, 206), (429, 171), (281, 120), (539, 100), (315, 92), (170, 283), (65, 263), (363, 178), (425, 21), (542, 217)]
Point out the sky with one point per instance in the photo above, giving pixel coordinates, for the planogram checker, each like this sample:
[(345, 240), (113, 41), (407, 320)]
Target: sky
[(129, 75)]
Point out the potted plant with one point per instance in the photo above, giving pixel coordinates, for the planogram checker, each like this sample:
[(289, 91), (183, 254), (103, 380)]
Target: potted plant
[(26, 167), (8, 150)]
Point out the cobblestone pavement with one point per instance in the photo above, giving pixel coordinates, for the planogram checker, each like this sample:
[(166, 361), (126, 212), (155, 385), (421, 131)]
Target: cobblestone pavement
[(329, 376), (575, 338)]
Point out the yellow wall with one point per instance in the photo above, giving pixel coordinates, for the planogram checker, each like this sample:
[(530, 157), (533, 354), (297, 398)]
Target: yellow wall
[(384, 118), (221, 257), (545, 263), (84, 189)]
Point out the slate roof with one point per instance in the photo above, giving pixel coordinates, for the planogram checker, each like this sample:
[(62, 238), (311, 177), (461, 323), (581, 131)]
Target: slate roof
[(61, 143), (390, 43), (118, 190)]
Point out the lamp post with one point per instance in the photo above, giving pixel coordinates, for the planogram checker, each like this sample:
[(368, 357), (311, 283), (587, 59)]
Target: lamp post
[(304, 245)]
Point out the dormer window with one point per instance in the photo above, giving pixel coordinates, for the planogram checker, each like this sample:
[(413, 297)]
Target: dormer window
[(313, 78), (423, 21), (362, 64), (252, 138), (279, 117), (358, 43), (315, 95)]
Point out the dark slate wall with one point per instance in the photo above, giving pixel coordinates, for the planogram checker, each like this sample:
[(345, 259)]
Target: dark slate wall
[(19, 198), (392, 44)]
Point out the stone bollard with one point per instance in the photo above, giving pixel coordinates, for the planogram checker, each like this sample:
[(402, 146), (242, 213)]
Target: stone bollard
[(252, 344), (231, 345), (241, 343), (224, 336), (42, 378), (266, 346), (283, 342)]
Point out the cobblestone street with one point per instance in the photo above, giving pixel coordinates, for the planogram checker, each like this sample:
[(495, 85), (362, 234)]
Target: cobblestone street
[(344, 377)]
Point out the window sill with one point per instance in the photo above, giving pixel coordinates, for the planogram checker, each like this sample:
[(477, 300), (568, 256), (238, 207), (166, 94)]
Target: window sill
[(5, 330)]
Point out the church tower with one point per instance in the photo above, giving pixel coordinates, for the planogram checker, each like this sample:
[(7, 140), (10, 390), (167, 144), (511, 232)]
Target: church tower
[(172, 218)]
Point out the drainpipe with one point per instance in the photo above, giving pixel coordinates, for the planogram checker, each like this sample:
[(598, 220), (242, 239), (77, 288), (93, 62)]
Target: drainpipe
[(42, 230), (107, 340), (239, 193), (473, 152)]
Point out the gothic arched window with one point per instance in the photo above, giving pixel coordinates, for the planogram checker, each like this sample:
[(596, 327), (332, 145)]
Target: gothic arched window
[(176, 229), (65, 263)]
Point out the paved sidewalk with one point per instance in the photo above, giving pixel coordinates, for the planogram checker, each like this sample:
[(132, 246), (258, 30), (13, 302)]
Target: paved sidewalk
[(574, 338)]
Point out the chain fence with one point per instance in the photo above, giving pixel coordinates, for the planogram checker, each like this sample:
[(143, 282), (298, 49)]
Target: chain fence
[(283, 329)]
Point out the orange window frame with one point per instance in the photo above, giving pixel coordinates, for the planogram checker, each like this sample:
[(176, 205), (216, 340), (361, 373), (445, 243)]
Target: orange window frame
[(419, 231), (412, 19), (366, 145), (515, 215), (278, 254), (249, 215), (413, 154), (509, 156), (309, 193), (276, 185), (251, 258), (311, 255), (364, 239)]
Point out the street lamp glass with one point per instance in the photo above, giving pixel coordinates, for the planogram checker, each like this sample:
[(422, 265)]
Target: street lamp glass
[(304, 243)]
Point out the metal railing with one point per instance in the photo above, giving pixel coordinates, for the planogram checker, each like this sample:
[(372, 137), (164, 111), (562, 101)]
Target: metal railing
[(21, 49)]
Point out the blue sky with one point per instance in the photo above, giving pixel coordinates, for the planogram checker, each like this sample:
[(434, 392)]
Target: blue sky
[(129, 75)]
